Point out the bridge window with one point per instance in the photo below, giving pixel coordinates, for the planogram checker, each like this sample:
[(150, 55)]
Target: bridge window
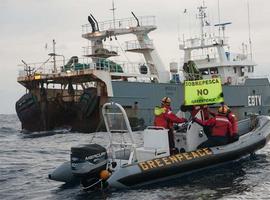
[(214, 70), (242, 71), (204, 71)]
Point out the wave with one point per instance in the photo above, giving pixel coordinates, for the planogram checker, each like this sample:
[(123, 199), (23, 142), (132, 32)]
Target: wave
[(5, 129), (46, 133)]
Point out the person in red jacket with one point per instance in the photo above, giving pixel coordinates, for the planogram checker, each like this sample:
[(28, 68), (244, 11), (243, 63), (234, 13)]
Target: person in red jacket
[(203, 108), (233, 119), (193, 110), (164, 117), (204, 113), (221, 129)]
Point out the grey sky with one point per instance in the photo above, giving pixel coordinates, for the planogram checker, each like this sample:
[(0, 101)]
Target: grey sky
[(26, 26)]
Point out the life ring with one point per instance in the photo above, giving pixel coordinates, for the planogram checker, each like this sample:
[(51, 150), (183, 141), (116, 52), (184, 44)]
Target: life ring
[(229, 80)]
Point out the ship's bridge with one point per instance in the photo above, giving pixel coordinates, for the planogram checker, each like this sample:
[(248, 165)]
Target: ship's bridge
[(213, 57)]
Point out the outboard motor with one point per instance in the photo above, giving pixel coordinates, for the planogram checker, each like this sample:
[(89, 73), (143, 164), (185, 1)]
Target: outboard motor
[(87, 162)]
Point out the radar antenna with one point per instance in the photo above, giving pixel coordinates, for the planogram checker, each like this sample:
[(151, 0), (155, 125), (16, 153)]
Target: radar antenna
[(223, 26)]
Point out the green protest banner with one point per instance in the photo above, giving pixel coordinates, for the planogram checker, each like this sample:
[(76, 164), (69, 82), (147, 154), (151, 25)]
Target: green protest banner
[(201, 92)]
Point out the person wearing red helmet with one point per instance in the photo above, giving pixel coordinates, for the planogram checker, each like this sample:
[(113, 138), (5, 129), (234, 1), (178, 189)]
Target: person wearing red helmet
[(221, 128), (233, 119), (164, 117)]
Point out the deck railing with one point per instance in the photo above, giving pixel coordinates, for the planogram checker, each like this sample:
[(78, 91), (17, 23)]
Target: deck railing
[(105, 49), (121, 23), (197, 42), (134, 44), (76, 64)]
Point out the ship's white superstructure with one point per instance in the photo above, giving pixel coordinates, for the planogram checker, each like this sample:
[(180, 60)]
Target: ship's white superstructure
[(140, 27), (213, 57)]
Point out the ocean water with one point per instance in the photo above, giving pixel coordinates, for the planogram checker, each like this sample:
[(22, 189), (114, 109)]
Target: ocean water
[(26, 160)]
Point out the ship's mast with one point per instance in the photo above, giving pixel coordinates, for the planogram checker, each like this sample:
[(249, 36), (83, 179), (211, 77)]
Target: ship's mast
[(54, 60), (219, 28), (249, 34), (113, 11), (202, 16)]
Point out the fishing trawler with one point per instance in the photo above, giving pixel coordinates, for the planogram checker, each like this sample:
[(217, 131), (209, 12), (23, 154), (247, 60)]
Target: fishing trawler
[(71, 94)]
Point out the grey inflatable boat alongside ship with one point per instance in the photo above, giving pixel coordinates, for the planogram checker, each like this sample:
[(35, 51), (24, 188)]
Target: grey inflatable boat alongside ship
[(126, 164)]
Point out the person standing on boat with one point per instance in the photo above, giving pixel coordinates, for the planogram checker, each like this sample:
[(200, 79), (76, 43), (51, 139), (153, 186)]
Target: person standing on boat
[(220, 126), (164, 117)]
